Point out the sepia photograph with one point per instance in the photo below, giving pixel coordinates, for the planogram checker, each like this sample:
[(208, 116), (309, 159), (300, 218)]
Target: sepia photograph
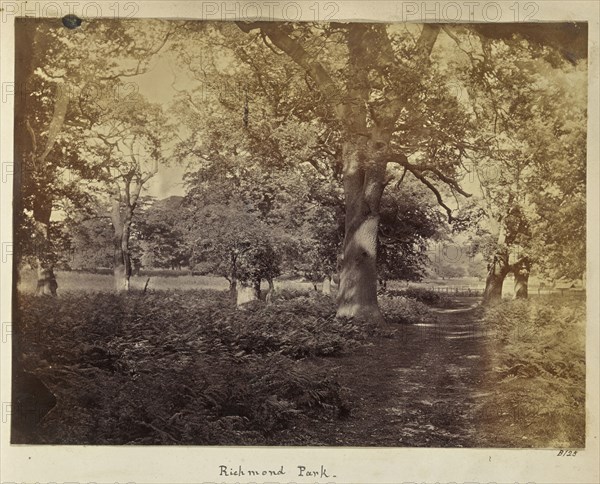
[(283, 233)]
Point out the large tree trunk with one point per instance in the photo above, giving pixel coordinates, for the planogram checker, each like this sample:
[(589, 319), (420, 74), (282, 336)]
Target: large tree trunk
[(521, 271), (46, 280), (497, 271), (363, 187), (23, 142), (31, 152)]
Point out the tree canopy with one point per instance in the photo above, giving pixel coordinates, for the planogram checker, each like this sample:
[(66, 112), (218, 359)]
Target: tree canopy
[(332, 150)]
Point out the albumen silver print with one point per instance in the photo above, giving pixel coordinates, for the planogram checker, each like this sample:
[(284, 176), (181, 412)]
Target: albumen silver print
[(309, 232)]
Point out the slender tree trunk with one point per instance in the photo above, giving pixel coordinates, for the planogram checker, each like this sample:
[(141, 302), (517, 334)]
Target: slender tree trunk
[(363, 187), (271, 293), (335, 276), (233, 280), (232, 285), (326, 286), (521, 271), (497, 271), (121, 256), (120, 269)]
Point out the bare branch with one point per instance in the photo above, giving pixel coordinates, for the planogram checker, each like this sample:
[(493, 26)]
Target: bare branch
[(435, 191), (399, 182), (138, 70)]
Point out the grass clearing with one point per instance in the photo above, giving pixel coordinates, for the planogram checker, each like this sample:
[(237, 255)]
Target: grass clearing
[(162, 280)]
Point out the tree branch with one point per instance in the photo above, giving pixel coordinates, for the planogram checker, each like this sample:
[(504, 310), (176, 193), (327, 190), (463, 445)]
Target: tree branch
[(427, 40), (149, 53), (33, 138), (61, 104), (417, 171), (298, 54), (435, 191)]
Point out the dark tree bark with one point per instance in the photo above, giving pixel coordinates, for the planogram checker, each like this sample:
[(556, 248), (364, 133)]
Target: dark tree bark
[(521, 270), (498, 269), (46, 279), (23, 141), (232, 277), (34, 170), (232, 285)]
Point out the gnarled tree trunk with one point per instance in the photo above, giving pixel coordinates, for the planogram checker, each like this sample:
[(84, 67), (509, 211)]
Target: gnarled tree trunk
[(520, 270), (497, 271), (46, 280), (363, 188), (32, 149)]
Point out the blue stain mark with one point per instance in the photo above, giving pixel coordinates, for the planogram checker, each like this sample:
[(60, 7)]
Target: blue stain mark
[(71, 21)]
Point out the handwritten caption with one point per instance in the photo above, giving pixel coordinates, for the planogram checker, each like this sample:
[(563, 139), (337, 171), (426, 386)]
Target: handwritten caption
[(320, 472)]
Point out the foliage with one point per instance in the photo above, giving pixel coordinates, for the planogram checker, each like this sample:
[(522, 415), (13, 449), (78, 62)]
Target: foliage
[(410, 220), (540, 356), (169, 367), (532, 109), (425, 296), (90, 243), (405, 310), (64, 86), (158, 231), (232, 241)]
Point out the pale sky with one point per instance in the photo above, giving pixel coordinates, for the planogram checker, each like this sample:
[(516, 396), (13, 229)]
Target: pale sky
[(157, 85)]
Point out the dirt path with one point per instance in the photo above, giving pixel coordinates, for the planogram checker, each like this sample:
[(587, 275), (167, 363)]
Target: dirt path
[(418, 388)]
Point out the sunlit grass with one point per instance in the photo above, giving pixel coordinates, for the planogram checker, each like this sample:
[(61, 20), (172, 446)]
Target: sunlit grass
[(72, 281)]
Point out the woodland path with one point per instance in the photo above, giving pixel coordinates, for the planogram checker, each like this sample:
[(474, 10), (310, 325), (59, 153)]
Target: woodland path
[(419, 388)]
